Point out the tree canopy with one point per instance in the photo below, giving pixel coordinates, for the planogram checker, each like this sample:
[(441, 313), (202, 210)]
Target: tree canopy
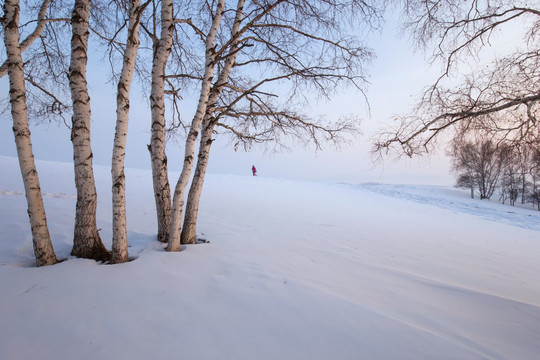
[(499, 101)]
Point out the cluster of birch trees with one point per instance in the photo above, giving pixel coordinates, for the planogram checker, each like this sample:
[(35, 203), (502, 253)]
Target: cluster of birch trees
[(251, 64), (487, 168)]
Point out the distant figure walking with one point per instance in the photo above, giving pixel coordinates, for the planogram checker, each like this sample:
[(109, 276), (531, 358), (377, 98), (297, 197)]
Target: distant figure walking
[(254, 170)]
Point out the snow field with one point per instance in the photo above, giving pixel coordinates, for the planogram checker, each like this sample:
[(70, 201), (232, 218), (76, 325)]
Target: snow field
[(293, 270)]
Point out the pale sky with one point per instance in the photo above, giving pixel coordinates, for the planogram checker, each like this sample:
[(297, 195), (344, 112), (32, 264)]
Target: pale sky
[(397, 76)]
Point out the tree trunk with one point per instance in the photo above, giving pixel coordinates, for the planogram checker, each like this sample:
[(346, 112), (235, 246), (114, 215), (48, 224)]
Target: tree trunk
[(41, 21), (119, 241), (523, 186), (162, 192), (189, 229), (87, 242), (43, 248), (189, 232), (180, 188), (471, 183)]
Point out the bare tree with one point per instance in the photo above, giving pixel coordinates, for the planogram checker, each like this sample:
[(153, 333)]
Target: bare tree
[(534, 196), (210, 63), (510, 177), (281, 42), (488, 168), (499, 102), (161, 51), (86, 242), (480, 163), (534, 192), (463, 164), (119, 241), (188, 233), (14, 67)]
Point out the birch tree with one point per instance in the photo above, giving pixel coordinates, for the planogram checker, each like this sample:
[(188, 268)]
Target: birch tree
[(41, 21), (292, 42), (86, 242), (162, 50), (14, 67), (119, 241), (188, 231), (179, 191)]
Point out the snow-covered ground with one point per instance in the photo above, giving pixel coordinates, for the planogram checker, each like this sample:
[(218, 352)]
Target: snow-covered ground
[(293, 270)]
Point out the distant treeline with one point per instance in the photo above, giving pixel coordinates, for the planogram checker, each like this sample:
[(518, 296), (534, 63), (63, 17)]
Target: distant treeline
[(488, 168)]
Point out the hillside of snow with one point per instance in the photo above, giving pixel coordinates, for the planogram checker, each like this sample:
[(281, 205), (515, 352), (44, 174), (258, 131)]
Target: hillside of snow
[(292, 270)]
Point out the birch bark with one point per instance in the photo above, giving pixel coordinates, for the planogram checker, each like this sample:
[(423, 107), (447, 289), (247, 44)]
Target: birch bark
[(119, 241), (179, 191), (189, 229), (43, 248), (189, 233), (162, 191), (86, 242), (41, 21)]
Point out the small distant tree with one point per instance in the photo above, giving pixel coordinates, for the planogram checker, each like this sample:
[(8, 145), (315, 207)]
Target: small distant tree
[(534, 193), (463, 164), (478, 163), (465, 180), (524, 158), (534, 196), (510, 175)]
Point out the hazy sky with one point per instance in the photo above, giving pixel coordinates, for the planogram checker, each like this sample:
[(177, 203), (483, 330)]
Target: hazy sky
[(397, 75)]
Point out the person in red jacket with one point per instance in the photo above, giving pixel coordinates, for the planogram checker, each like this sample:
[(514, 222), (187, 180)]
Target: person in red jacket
[(254, 170)]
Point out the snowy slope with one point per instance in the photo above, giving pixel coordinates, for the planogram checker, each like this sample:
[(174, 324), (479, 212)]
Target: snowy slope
[(293, 270)]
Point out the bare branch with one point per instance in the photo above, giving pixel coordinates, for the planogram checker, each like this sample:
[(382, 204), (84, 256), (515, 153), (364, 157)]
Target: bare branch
[(499, 102)]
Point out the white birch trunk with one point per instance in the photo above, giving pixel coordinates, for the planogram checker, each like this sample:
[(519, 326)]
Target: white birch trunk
[(162, 192), (189, 231), (179, 191), (119, 241), (41, 21), (43, 248), (87, 242), (189, 228)]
